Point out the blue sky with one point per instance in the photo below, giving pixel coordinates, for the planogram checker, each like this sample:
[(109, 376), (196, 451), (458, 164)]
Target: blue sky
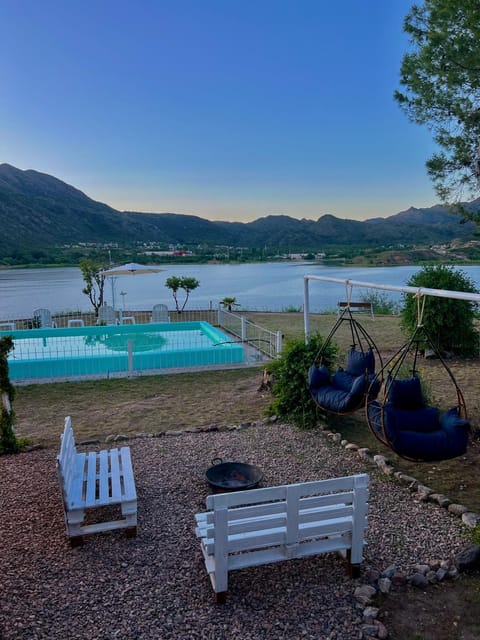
[(225, 109)]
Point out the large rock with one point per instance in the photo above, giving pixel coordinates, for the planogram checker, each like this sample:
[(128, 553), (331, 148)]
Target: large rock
[(469, 558)]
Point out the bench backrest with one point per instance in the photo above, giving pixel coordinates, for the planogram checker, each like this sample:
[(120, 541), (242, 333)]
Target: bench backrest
[(66, 457), (287, 515), (356, 305)]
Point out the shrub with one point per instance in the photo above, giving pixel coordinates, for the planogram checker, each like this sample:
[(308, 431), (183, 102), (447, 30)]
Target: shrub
[(448, 321), (8, 441), (291, 397), (381, 303)]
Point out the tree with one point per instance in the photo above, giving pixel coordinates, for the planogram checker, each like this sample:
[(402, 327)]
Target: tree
[(187, 284), (94, 282), (448, 321), (441, 80), (229, 302)]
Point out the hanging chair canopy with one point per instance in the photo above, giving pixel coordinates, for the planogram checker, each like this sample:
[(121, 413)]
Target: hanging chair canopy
[(344, 392), (401, 418)]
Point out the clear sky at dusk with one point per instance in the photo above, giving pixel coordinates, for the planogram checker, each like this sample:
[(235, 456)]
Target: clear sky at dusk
[(225, 109)]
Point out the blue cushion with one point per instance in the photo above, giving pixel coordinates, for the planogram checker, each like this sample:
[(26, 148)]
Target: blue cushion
[(359, 386), (335, 400), (318, 376), (423, 420), (451, 421), (343, 380), (405, 394), (359, 362)]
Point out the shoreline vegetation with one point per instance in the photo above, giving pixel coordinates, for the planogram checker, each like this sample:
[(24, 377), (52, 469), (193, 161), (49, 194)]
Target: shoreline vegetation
[(402, 259)]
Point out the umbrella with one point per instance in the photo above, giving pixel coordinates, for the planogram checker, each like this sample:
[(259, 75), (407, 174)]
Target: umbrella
[(129, 269)]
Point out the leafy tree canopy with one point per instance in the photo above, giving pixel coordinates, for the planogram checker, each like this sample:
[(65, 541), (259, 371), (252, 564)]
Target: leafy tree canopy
[(92, 273), (448, 321), (186, 283), (440, 76)]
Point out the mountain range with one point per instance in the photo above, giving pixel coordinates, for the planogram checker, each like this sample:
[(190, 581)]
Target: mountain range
[(39, 210)]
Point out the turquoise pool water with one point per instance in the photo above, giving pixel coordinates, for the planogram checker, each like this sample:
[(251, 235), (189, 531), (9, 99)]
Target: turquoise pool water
[(100, 351)]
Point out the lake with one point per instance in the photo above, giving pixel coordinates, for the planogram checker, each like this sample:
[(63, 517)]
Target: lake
[(259, 287)]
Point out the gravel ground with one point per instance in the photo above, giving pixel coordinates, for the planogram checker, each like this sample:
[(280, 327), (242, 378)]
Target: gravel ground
[(155, 586)]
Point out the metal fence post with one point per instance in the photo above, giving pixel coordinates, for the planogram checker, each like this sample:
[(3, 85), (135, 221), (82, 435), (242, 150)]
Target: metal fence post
[(279, 345), (130, 355)]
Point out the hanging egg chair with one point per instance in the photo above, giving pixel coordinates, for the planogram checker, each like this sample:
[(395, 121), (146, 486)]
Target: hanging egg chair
[(402, 419), (344, 391)]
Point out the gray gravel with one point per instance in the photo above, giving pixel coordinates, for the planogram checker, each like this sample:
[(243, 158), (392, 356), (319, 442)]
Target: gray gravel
[(155, 586)]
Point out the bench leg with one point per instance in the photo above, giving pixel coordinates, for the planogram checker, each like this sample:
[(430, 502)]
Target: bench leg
[(76, 541), (74, 520), (353, 570)]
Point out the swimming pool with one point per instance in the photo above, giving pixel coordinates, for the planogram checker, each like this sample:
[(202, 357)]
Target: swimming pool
[(77, 352)]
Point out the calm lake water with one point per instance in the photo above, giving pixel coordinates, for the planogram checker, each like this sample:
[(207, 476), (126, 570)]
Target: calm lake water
[(261, 287)]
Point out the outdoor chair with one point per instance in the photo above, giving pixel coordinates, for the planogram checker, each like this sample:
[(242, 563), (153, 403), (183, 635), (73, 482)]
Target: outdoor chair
[(107, 315), (43, 319), (159, 313)]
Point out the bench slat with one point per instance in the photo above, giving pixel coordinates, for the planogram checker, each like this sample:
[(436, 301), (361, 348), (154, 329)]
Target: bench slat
[(77, 495), (129, 491), (116, 484), (91, 479), (104, 477)]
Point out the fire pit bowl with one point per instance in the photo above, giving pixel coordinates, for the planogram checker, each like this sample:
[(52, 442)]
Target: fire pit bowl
[(232, 476)]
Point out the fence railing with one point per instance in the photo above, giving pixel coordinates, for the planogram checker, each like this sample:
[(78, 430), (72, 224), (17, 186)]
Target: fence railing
[(63, 319), (263, 340)]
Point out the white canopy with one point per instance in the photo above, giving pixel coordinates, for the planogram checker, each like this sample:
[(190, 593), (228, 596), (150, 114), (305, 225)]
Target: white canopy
[(131, 268)]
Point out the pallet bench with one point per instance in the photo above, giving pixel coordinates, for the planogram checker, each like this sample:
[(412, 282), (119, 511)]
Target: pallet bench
[(92, 480), (360, 307), (261, 526)]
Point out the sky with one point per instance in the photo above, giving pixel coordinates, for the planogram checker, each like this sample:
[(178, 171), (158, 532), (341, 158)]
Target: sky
[(224, 109)]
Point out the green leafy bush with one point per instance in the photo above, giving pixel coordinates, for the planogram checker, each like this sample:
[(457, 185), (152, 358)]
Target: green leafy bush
[(448, 321), (381, 303), (291, 398), (8, 441)]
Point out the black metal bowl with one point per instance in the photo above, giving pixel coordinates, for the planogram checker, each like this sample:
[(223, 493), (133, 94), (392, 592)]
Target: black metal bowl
[(232, 476)]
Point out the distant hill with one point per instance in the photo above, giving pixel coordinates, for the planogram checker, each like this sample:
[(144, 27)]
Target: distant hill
[(38, 210)]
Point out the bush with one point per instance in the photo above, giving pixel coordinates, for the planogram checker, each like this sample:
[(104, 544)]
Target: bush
[(448, 321), (8, 441), (291, 397), (381, 303)]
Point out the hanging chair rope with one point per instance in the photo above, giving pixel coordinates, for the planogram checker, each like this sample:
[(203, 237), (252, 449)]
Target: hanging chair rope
[(421, 299)]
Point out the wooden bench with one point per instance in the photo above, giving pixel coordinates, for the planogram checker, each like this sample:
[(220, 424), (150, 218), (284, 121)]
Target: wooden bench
[(260, 526), (365, 307), (95, 479)]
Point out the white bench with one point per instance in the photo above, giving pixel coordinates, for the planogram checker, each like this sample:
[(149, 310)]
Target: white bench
[(95, 479), (260, 526), (360, 307)]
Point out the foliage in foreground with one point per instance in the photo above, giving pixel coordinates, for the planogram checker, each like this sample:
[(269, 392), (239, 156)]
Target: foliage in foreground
[(448, 321), (291, 398), (8, 440)]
